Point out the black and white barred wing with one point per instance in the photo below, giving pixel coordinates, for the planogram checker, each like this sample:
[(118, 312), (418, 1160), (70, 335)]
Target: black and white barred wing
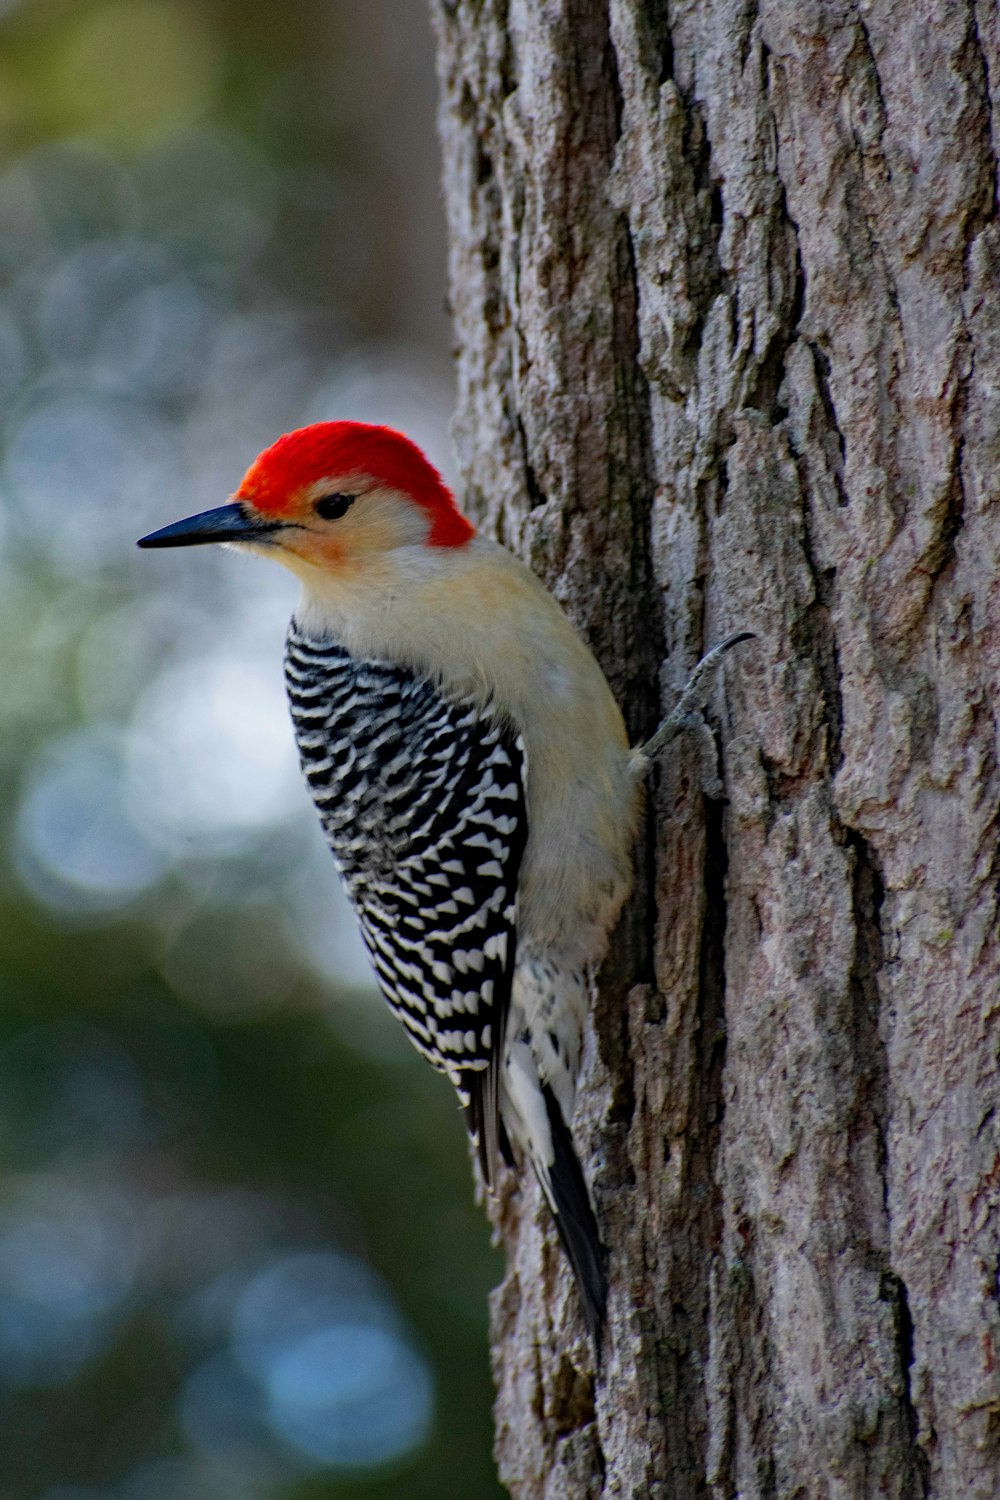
[(422, 799)]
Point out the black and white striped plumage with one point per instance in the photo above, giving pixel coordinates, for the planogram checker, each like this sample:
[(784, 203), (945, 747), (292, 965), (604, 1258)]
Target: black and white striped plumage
[(422, 800)]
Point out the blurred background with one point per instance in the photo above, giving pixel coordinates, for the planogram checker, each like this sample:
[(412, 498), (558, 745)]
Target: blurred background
[(239, 1255)]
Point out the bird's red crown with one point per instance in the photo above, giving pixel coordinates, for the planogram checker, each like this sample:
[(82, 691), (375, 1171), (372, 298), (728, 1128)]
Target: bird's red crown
[(278, 477)]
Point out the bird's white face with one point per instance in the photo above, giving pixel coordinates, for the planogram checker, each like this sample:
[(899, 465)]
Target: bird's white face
[(340, 499), (342, 524)]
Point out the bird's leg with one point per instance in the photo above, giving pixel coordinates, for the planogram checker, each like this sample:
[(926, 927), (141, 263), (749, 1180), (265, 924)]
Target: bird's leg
[(687, 717)]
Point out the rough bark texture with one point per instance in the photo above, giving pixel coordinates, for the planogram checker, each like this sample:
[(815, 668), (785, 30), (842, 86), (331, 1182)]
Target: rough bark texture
[(725, 281)]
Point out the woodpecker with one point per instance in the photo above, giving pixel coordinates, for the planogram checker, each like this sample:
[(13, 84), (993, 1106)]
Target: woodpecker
[(472, 775)]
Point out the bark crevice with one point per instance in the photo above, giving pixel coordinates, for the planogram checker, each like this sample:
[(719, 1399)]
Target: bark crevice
[(892, 1290), (867, 900)]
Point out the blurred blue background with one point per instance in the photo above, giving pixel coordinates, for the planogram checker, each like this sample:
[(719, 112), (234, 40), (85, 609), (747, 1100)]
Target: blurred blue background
[(239, 1257)]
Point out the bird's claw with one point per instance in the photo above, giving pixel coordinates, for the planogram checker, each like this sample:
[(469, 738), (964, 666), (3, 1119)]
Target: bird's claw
[(687, 717)]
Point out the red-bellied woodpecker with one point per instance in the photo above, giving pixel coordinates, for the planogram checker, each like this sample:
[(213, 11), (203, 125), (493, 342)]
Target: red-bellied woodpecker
[(472, 775)]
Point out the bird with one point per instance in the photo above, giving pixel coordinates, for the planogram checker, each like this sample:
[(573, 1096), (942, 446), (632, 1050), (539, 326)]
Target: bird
[(473, 777)]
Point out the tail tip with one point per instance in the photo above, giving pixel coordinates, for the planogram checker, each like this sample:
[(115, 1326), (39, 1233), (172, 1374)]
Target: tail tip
[(576, 1224)]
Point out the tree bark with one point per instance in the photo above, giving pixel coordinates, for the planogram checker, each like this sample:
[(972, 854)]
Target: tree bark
[(725, 283)]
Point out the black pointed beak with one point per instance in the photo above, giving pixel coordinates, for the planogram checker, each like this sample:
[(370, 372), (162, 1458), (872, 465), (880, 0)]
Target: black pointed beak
[(227, 523)]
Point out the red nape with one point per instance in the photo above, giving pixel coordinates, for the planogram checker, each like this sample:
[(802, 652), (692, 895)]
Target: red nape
[(347, 450)]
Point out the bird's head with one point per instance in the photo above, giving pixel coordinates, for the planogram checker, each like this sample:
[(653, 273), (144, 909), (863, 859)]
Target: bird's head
[(337, 496)]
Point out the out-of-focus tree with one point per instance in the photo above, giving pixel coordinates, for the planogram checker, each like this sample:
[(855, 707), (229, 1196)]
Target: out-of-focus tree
[(238, 1253)]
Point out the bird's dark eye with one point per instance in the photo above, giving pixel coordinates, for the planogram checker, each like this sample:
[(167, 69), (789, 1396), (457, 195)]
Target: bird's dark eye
[(332, 507)]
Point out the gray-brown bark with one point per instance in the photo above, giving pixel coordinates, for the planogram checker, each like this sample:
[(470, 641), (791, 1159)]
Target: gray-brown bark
[(725, 281)]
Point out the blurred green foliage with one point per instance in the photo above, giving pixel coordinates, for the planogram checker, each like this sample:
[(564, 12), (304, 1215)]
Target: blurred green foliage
[(239, 1255)]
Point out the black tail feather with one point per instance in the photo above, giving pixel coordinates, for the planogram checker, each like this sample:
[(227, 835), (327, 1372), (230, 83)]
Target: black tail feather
[(575, 1221)]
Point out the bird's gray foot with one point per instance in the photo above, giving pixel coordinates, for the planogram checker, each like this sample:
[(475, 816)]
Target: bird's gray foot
[(687, 717)]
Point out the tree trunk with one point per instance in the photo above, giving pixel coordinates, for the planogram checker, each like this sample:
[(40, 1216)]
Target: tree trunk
[(725, 282)]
